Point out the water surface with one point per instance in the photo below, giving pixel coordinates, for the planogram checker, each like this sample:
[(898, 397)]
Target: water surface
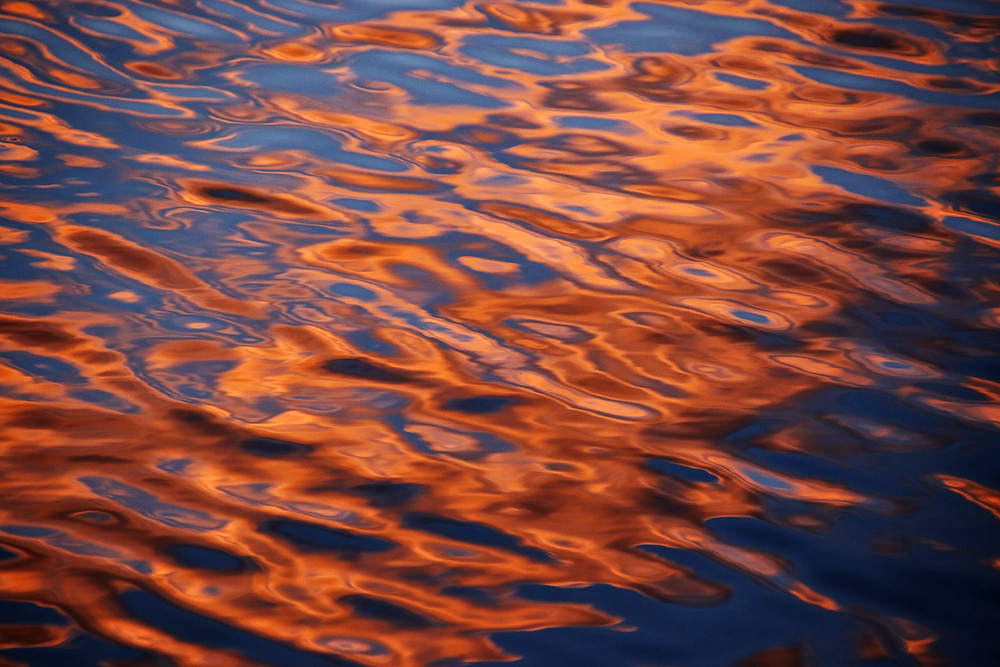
[(422, 333)]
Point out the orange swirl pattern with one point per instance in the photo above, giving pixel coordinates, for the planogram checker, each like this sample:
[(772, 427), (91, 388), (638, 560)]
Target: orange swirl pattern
[(383, 333)]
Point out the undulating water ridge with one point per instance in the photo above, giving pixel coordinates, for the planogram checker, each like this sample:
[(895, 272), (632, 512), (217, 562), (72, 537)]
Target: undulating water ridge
[(425, 333)]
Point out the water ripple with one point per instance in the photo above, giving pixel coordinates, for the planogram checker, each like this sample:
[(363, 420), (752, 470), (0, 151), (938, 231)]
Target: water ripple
[(425, 333)]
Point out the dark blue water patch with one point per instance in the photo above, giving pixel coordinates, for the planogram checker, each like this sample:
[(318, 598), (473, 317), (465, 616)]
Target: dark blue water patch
[(175, 466), (588, 122), (985, 368), (365, 341), (363, 205), (901, 319), (979, 202), (867, 186), (480, 405), (952, 7), (189, 626), (963, 52), (206, 558), (886, 216), (725, 119), (383, 610), (388, 494), (751, 621), (347, 11), (772, 340), (979, 228), (956, 604), (397, 68), (766, 537), (187, 25), (432, 294), (742, 81), (875, 483), (687, 473), (85, 650), (850, 81), (273, 448), (106, 400), (476, 596), (940, 590), (7, 554), (93, 9), (128, 98), (935, 534), (17, 612), (880, 407), (757, 428), (60, 47), (316, 538), (955, 391), (48, 368), (558, 57), (550, 47), (362, 369), (20, 530), (835, 8), (17, 114), (681, 30), (970, 340), (947, 518), (764, 478), (931, 337), (953, 69), (385, 7), (242, 19), (756, 318), (472, 533), (280, 137), (406, 61)]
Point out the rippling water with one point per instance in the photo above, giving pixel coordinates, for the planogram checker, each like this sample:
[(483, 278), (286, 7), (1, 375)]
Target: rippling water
[(418, 333)]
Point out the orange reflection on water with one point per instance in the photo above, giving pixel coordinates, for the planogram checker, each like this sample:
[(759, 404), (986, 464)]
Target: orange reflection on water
[(345, 326)]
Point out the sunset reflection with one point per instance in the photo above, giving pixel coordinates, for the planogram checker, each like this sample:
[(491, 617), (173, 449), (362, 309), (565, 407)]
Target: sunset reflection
[(575, 332)]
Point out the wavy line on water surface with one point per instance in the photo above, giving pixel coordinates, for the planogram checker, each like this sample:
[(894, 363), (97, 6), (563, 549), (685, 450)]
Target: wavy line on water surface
[(330, 330)]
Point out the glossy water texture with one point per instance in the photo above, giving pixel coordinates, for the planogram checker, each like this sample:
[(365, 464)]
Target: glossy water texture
[(416, 333)]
